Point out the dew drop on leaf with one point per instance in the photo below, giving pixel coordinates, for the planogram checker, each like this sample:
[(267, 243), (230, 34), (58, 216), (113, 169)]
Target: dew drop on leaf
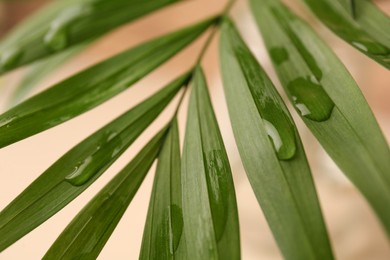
[(80, 176), (57, 37), (10, 57), (104, 151), (274, 135), (310, 99), (278, 55), (7, 121), (216, 173), (176, 227)]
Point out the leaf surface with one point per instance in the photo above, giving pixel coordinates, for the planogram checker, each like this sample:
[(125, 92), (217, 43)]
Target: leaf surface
[(360, 23), (89, 231), (164, 225), (80, 167), (66, 23), (92, 86), (329, 102), (272, 153), (209, 204), (38, 72)]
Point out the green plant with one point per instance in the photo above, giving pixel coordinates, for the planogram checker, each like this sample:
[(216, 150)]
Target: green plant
[(192, 212)]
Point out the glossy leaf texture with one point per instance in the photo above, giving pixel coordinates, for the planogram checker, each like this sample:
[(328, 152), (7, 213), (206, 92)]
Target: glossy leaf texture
[(92, 86), (66, 23), (211, 228), (80, 167), (367, 28), (329, 102), (272, 153), (38, 72), (89, 231), (163, 234)]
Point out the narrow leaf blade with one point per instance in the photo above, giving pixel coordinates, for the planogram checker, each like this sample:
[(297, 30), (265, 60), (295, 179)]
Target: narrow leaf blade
[(272, 153), (92, 87), (367, 29), (38, 72), (67, 23), (163, 234), (209, 205), (79, 168), (89, 231), (329, 102)]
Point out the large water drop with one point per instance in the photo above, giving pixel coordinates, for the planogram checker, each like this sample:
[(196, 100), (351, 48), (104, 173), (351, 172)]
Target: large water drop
[(311, 100)]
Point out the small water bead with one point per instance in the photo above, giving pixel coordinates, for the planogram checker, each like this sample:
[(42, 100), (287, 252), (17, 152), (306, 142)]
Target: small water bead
[(301, 107), (57, 38), (310, 99), (273, 134), (279, 55), (10, 57), (372, 48), (217, 173), (360, 46), (78, 176), (176, 227), (7, 121)]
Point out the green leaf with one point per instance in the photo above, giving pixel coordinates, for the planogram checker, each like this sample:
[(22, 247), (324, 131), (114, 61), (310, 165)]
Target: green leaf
[(272, 153), (164, 225), (329, 102), (89, 231), (66, 23), (209, 204), (368, 29), (38, 72), (92, 87), (80, 167)]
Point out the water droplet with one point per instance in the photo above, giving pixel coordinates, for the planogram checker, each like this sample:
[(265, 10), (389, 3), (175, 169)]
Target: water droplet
[(176, 227), (7, 121), (79, 175), (279, 55), (110, 135), (268, 101), (101, 154), (217, 173), (116, 151), (360, 46), (372, 48), (57, 38), (301, 107), (10, 57), (273, 134), (310, 99)]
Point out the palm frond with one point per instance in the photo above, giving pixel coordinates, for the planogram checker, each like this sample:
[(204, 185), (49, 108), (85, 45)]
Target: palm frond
[(272, 153), (329, 102), (80, 167), (67, 23)]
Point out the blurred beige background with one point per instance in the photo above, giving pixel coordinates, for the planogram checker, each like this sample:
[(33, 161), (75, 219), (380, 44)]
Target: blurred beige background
[(354, 230)]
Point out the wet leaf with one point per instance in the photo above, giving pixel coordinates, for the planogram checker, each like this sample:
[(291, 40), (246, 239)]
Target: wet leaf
[(272, 153), (38, 72), (367, 29), (89, 231), (80, 167), (164, 225), (92, 86), (209, 205), (350, 134), (66, 23)]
